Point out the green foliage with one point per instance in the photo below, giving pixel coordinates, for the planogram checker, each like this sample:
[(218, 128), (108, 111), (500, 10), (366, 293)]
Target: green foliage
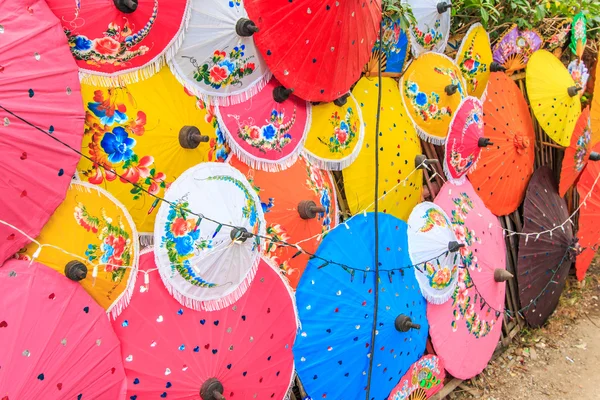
[(396, 9)]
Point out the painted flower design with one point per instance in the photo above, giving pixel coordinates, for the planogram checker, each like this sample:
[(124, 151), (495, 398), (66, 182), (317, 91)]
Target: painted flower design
[(426, 106), (273, 136), (461, 164), (345, 130), (118, 145), (471, 66), (219, 150), (224, 69), (429, 37), (390, 37), (433, 217), (106, 109), (316, 182), (582, 147)]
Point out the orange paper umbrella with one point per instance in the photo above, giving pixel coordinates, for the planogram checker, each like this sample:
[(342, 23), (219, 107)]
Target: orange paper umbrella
[(588, 188), (299, 206), (505, 167), (579, 152)]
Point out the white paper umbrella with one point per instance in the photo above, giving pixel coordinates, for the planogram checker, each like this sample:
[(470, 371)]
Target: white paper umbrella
[(208, 265), (432, 29), (432, 245), (218, 57)]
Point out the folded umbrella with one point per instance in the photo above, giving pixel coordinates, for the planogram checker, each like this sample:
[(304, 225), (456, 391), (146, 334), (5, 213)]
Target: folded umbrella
[(515, 46), (241, 352), (505, 167), (299, 205), (474, 58), (544, 261), (56, 341), (264, 133), (578, 35), (465, 331), (149, 133), (432, 28), (336, 306), (40, 88), (399, 183), (95, 227), (121, 40), (579, 73), (422, 381), (206, 250), (307, 43)]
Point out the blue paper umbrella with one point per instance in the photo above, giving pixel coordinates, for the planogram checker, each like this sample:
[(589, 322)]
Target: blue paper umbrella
[(393, 48), (336, 307)]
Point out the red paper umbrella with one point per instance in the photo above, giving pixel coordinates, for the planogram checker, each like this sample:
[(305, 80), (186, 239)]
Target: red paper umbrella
[(38, 83), (588, 188), (317, 48), (243, 351)]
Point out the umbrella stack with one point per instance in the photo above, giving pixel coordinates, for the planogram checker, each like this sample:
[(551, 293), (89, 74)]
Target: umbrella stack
[(247, 199)]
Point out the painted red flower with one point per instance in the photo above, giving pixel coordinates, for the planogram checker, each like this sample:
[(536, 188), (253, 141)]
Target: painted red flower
[(153, 188), (250, 66), (254, 132), (341, 135), (106, 46), (218, 74), (97, 178), (428, 38), (131, 175), (180, 227), (469, 63)]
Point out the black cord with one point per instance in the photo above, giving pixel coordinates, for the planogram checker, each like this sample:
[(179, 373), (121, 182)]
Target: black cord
[(376, 219)]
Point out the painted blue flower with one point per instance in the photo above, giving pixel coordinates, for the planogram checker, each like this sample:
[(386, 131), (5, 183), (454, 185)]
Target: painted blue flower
[(184, 245), (117, 145), (108, 251), (82, 44), (421, 99), (268, 132), (413, 87), (116, 116), (344, 126), (228, 65)]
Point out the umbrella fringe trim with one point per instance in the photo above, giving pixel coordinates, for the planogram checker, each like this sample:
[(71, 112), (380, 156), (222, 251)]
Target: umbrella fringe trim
[(151, 68), (338, 165), (436, 299), (229, 99), (438, 141), (261, 164)]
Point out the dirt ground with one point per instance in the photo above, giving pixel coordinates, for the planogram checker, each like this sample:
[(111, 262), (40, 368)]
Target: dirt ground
[(560, 361)]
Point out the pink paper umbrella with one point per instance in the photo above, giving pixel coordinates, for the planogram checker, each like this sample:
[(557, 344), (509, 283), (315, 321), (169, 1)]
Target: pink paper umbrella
[(465, 140), (243, 351), (424, 379), (40, 88), (266, 132), (465, 330), (56, 342)]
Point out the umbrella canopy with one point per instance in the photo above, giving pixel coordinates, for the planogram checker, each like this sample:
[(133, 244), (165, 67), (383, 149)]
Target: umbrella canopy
[(336, 305), (578, 35), (544, 261), (433, 246), (218, 57), (307, 43), (204, 264), (514, 48), (40, 85), (432, 88), (120, 40), (100, 238), (474, 58), (424, 379), (299, 205), (557, 41), (579, 73), (432, 28), (149, 133), (553, 96), (579, 152), (588, 189), (505, 167), (264, 133), (398, 147), (336, 134), (465, 140), (58, 343), (393, 49), (465, 331), (243, 351)]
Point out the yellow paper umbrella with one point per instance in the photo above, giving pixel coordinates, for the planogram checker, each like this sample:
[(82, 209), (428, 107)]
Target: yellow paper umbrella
[(336, 134), (398, 147), (474, 58), (89, 234), (553, 96), (149, 133), (432, 89)]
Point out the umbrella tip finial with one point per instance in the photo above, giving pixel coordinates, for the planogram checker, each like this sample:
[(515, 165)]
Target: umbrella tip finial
[(454, 246), (451, 89), (573, 90), (497, 67), (75, 270), (126, 6), (281, 94), (308, 209), (422, 162), (239, 235), (403, 323), (484, 142), (594, 156), (190, 137), (502, 275), (212, 389), (245, 27), (442, 7), (342, 100)]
